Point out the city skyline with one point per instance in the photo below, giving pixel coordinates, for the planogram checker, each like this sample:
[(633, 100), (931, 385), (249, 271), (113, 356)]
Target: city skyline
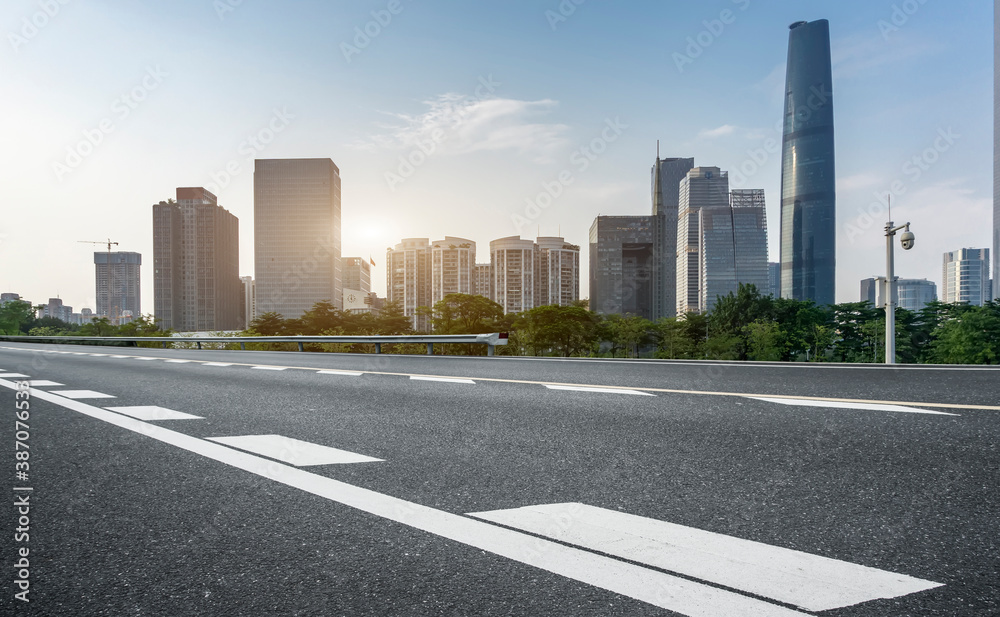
[(705, 80)]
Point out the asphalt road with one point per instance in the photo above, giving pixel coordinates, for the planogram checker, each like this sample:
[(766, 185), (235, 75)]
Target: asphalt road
[(894, 469)]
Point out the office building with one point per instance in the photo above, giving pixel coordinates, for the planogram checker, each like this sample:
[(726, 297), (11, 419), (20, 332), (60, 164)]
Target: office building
[(249, 299), (516, 267), (773, 279), (196, 257), (408, 278), (808, 184), (57, 310), (9, 297), (453, 264), (118, 284), (910, 294), (482, 285), (357, 274), (622, 264), (701, 188), (732, 247), (966, 277), (667, 175), (559, 271), (296, 235)]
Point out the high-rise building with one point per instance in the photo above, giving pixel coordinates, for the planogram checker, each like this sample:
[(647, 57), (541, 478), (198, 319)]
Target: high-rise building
[(118, 289), (910, 294), (408, 278), (483, 283), (808, 184), (701, 188), (296, 235), (732, 247), (57, 310), (622, 265), (357, 274), (996, 149), (9, 297), (559, 271), (196, 259), (773, 279), (249, 299), (453, 263), (666, 178), (516, 273), (966, 277)]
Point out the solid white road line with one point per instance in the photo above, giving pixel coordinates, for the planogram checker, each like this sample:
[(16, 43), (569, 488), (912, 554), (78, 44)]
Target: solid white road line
[(270, 368), (442, 379), (653, 587), (12, 375), (76, 394), (216, 363), (346, 373), (152, 412), (845, 405), (293, 451), (812, 582), (602, 390), (38, 383)]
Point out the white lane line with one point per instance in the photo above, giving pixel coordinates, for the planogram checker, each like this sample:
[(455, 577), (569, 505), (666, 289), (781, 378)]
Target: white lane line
[(293, 451), (808, 581), (443, 379), (216, 363), (12, 375), (38, 383), (651, 586), (121, 356), (602, 390), (270, 368), (97, 354), (347, 373), (844, 405), (144, 358), (179, 361), (75, 394), (152, 412)]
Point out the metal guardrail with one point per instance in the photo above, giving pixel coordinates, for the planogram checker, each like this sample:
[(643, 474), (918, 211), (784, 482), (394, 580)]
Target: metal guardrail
[(490, 340)]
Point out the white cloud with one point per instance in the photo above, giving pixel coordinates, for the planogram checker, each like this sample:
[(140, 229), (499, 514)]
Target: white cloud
[(457, 124), (722, 131)]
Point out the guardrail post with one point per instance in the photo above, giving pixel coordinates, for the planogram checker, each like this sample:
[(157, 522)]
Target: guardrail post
[(430, 349), (300, 346), (378, 347), (199, 344), (243, 346), (164, 344), (489, 349)]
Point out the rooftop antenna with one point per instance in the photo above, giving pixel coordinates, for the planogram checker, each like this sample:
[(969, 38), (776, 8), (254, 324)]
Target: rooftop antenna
[(657, 149), (888, 198)]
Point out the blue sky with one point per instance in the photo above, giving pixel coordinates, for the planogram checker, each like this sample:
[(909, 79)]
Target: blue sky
[(508, 96)]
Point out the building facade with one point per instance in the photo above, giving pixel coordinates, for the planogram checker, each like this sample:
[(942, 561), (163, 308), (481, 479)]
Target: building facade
[(57, 310), (196, 257), (773, 279), (667, 175), (622, 265), (703, 188), (732, 247), (483, 283), (408, 278), (296, 235), (453, 267), (516, 269), (966, 277), (249, 299), (118, 284), (559, 271), (808, 183), (357, 274), (910, 294), (9, 297)]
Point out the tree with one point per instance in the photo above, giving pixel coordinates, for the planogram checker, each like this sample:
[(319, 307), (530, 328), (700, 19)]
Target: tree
[(268, 324), (971, 338), (321, 317), (392, 320), (625, 333), (466, 314), (15, 315), (764, 340), (570, 330)]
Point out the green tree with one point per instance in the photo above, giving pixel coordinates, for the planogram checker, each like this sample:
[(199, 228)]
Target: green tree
[(972, 337), (15, 316), (568, 330), (466, 314), (625, 333), (268, 324), (764, 339)]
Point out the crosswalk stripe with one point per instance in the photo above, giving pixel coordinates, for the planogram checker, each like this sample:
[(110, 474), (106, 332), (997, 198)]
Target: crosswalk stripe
[(847, 405), (78, 394), (152, 413), (600, 390), (293, 451), (40, 383), (793, 577), (13, 375)]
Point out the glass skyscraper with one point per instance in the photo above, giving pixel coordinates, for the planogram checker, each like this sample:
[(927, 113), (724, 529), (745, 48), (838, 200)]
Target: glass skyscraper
[(808, 186)]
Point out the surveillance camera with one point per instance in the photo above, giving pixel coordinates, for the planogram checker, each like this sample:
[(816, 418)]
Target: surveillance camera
[(906, 239)]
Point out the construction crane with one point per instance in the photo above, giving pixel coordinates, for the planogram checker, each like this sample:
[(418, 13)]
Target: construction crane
[(114, 314)]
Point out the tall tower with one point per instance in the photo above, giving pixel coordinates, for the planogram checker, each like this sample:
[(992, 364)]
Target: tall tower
[(808, 184), (516, 274), (408, 278), (559, 272), (117, 284), (702, 188), (965, 276), (666, 178), (196, 260), (296, 207)]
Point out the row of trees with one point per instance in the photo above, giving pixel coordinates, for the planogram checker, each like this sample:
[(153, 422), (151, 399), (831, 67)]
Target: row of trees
[(742, 326)]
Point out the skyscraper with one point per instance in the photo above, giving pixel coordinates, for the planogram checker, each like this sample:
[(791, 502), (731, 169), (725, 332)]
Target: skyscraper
[(118, 287), (296, 235), (516, 267), (622, 265), (966, 276), (196, 258), (732, 247), (773, 279), (808, 184), (357, 274), (453, 264), (666, 178), (701, 188), (249, 299), (559, 271), (408, 278), (483, 284)]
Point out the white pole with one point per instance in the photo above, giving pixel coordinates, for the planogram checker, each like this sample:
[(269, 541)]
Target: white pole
[(890, 306)]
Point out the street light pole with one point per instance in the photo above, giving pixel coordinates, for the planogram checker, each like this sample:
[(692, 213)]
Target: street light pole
[(890, 285)]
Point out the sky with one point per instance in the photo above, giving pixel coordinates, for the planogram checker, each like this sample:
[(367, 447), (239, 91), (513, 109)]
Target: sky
[(477, 120)]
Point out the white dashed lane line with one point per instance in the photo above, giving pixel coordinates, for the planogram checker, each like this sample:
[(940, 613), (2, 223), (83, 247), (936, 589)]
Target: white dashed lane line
[(179, 361), (152, 412), (39, 383), (845, 405), (293, 451), (145, 358), (600, 390), (270, 368), (216, 364), (345, 373), (78, 394), (441, 379), (13, 375)]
